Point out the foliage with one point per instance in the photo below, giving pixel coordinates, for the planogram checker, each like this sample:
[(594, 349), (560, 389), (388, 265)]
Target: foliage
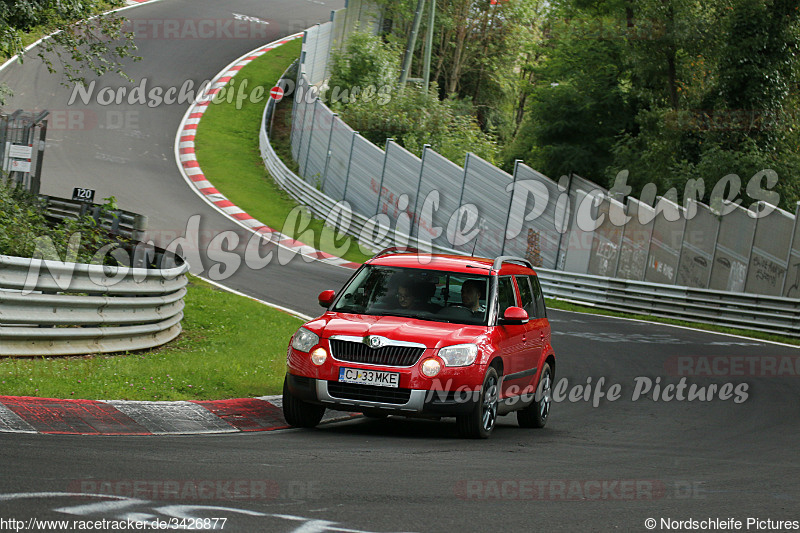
[(414, 118), (84, 41), (411, 117), (24, 226), (479, 52), (364, 61), (669, 91), (576, 110)]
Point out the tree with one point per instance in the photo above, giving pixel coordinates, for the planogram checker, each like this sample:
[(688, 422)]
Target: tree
[(82, 43), (578, 105), (478, 48)]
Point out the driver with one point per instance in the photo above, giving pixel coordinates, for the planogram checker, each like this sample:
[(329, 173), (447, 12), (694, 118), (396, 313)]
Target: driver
[(405, 294)]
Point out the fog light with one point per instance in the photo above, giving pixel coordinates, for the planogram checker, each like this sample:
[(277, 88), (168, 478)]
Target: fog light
[(318, 356), (431, 367)]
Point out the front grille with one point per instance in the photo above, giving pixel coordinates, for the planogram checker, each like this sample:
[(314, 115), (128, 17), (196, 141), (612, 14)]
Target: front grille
[(358, 352), (368, 393)]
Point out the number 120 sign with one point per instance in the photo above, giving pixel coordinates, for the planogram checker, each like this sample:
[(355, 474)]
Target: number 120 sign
[(83, 195)]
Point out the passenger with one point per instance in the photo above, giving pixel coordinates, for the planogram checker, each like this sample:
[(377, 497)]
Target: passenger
[(471, 292)]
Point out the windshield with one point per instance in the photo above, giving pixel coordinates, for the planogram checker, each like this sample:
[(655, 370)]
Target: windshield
[(411, 292)]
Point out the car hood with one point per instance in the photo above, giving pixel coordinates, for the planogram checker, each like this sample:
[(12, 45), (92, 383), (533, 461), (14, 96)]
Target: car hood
[(431, 334)]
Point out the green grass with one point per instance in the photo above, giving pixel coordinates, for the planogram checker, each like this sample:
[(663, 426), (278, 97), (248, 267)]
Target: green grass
[(231, 347), (567, 306), (227, 149)]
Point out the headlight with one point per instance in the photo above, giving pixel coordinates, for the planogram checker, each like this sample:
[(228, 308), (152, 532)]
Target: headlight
[(459, 355), (304, 340)]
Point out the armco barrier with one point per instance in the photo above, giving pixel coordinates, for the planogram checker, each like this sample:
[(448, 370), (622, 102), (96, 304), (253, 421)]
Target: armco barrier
[(124, 223), (337, 215), (55, 308), (730, 309)]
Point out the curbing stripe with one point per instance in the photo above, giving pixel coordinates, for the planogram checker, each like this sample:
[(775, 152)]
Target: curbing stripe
[(12, 422), (84, 417), (172, 418), (189, 167), (122, 417)]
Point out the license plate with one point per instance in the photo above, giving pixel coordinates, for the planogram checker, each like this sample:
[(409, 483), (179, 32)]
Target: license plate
[(369, 377)]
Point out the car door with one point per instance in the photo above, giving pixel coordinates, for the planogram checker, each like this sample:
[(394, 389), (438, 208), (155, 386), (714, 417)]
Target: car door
[(533, 337), (511, 336), (541, 314)]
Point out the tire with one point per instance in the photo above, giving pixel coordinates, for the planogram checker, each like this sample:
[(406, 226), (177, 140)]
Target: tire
[(480, 422), (537, 413), (298, 413)]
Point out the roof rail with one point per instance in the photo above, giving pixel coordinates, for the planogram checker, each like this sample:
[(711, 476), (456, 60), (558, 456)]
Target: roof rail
[(396, 250), (498, 262)]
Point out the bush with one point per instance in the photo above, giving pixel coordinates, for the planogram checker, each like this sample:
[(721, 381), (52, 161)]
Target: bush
[(365, 61), (362, 89), (24, 227)]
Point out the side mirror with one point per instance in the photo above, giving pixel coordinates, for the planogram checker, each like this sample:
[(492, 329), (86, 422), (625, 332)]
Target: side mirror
[(325, 298), (515, 315)]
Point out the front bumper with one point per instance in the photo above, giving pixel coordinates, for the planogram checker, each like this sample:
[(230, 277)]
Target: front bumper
[(346, 397)]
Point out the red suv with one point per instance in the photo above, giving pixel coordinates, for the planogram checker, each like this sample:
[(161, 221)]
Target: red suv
[(427, 335)]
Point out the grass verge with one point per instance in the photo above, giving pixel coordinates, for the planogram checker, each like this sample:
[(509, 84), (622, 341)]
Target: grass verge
[(567, 306), (231, 347), (226, 145)]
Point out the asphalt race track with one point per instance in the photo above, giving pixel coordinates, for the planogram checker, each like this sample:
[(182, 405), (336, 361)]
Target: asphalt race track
[(728, 454), (127, 151)]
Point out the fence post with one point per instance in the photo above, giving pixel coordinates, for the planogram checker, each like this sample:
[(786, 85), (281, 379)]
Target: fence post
[(326, 74), (36, 177), (344, 24), (463, 181), (328, 152), (565, 228), (349, 164), (714, 251), (3, 129), (510, 200), (311, 138), (425, 148), (791, 246), (298, 101), (312, 77), (383, 173)]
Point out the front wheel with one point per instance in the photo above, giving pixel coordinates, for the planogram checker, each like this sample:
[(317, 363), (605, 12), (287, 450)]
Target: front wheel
[(535, 415), (298, 413), (480, 422)]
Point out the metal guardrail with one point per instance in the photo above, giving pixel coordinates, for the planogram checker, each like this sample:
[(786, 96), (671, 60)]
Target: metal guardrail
[(323, 206), (770, 314), (124, 223), (55, 308)]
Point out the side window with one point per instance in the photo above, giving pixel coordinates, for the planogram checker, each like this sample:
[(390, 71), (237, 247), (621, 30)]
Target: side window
[(505, 294), (538, 297), (526, 296)]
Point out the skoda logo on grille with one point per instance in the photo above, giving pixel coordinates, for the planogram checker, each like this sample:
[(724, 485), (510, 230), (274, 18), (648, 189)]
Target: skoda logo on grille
[(374, 341)]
